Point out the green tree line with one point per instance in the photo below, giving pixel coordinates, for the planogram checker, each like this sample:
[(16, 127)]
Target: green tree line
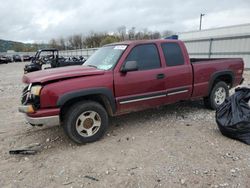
[(79, 41), (94, 40), (6, 45)]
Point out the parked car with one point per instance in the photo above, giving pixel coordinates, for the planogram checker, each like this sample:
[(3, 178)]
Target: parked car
[(17, 58), (4, 59), (121, 78), (10, 58), (26, 58), (50, 57)]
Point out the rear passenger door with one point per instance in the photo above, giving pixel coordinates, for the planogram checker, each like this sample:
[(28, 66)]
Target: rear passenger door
[(178, 72), (142, 88)]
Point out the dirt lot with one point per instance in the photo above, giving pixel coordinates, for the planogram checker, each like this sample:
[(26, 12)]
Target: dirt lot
[(172, 146)]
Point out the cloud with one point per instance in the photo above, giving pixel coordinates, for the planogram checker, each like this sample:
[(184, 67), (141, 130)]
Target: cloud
[(27, 20), (218, 19)]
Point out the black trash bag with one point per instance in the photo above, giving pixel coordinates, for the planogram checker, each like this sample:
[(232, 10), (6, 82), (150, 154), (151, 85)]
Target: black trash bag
[(233, 116)]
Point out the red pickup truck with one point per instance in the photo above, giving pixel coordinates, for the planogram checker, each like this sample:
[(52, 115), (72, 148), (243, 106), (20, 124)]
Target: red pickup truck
[(121, 78)]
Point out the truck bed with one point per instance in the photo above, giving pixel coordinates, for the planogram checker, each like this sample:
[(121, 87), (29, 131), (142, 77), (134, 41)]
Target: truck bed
[(211, 60), (204, 69)]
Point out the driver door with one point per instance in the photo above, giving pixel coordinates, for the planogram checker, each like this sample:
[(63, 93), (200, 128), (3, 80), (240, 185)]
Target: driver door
[(143, 88)]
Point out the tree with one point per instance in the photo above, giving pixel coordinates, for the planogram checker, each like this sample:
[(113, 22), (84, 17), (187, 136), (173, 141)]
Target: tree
[(156, 35), (53, 43), (131, 33), (18, 47), (94, 40), (78, 41), (167, 33), (62, 43), (110, 39), (139, 35), (122, 31), (71, 42)]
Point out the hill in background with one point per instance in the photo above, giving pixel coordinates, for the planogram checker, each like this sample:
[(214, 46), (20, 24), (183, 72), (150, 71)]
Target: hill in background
[(6, 45)]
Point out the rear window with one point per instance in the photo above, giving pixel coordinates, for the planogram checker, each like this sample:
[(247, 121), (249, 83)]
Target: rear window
[(173, 54)]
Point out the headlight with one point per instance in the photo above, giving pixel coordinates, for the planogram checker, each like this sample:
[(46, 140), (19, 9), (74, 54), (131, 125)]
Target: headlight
[(35, 90)]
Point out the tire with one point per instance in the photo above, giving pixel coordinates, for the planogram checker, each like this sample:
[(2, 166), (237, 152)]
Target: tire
[(217, 96), (85, 122)]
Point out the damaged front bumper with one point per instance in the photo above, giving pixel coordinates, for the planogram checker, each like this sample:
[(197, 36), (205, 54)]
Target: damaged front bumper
[(31, 108), (41, 118), (40, 121)]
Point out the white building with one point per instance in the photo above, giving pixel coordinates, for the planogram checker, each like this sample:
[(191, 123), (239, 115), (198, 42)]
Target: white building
[(231, 41)]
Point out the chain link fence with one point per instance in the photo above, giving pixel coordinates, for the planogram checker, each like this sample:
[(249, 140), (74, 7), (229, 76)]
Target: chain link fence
[(65, 53)]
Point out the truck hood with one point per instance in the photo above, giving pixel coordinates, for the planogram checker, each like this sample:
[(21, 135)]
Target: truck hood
[(60, 73)]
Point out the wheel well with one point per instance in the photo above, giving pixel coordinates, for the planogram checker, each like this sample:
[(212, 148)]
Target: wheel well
[(101, 99), (228, 79)]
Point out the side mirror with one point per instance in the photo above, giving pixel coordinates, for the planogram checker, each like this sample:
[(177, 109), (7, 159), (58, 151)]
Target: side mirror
[(129, 66)]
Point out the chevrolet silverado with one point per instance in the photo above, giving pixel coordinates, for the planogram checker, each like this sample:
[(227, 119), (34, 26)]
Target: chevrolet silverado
[(123, 77)]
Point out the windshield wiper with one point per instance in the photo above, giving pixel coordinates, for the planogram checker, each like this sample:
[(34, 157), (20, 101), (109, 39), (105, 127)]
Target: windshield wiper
[(92, 66)]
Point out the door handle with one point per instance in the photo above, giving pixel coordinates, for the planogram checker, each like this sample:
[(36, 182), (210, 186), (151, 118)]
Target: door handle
[(160, 76)]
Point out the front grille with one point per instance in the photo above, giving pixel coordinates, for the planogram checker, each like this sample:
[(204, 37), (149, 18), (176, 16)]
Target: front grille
[(28, 98), (25, 95)]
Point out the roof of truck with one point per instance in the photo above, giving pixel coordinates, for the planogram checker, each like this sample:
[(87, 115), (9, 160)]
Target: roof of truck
[(136, 42)]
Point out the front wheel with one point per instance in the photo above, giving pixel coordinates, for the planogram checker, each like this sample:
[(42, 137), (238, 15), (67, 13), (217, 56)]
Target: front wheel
[(217, 96), (85, 122)]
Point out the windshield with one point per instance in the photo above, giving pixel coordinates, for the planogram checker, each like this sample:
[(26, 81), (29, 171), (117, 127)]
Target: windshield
[(106, 57)]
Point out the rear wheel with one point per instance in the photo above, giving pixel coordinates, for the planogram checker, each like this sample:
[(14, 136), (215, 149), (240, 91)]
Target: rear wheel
[(217, 96), (85, 122)]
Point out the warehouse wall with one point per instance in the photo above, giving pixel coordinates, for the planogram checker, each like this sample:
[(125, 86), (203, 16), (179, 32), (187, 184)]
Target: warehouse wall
[(231, 42)]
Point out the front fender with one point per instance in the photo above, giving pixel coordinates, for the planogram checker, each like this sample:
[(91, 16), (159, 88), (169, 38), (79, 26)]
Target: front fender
[(88, 92)]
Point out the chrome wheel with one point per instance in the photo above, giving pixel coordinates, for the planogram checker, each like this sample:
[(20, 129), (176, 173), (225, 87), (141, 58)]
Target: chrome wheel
[(88, 123), (220, 95)]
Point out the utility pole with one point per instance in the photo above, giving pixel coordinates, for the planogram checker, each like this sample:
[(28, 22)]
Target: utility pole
[(201, 19)]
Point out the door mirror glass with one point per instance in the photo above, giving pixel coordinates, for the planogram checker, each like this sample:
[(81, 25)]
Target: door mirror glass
[(129, 66)]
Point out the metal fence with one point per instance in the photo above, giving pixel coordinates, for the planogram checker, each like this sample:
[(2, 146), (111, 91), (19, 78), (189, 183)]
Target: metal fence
[(66, 53), (17, 53), (220, 47), (216, 47), (79, 52)]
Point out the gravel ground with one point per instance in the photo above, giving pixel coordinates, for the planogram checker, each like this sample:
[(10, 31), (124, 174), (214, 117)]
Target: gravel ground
[(173, 146)]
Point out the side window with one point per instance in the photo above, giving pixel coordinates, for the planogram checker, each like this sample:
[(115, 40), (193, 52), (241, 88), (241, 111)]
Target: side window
[(146, 56), (173, 54)]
